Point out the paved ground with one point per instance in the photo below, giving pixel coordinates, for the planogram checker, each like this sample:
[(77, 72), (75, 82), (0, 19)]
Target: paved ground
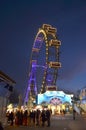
[(57, 123)]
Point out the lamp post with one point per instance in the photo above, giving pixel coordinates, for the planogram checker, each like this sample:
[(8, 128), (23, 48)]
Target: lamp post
[(20, 101)]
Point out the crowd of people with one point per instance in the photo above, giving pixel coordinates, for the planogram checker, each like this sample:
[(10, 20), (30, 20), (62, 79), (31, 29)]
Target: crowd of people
[(29, 118)]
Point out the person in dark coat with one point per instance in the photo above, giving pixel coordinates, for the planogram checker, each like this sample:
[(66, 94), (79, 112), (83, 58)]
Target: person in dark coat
[(11, 116), (25, 115), (37, 117), (48, 115), (43, 117), (1, 127), (74, 113)]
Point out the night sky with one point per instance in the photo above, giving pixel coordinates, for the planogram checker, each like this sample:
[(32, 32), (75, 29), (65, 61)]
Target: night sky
[(19, 23)]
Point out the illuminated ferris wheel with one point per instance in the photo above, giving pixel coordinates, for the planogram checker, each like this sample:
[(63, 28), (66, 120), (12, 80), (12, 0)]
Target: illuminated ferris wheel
[(44, 62)]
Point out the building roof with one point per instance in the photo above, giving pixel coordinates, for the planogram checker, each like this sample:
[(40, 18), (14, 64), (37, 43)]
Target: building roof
[(5, 78)]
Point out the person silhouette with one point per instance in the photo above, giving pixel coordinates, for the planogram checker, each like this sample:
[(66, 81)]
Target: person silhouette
[(74, 113), (1, 127)]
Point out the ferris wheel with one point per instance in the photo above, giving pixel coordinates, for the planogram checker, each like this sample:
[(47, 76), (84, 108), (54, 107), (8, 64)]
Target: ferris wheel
[(44, 62)]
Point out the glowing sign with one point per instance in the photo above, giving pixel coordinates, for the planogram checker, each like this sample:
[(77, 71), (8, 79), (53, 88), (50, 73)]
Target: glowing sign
[(54, 97)]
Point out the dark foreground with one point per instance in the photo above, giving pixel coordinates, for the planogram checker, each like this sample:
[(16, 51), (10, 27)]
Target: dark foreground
[(57, 123)]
